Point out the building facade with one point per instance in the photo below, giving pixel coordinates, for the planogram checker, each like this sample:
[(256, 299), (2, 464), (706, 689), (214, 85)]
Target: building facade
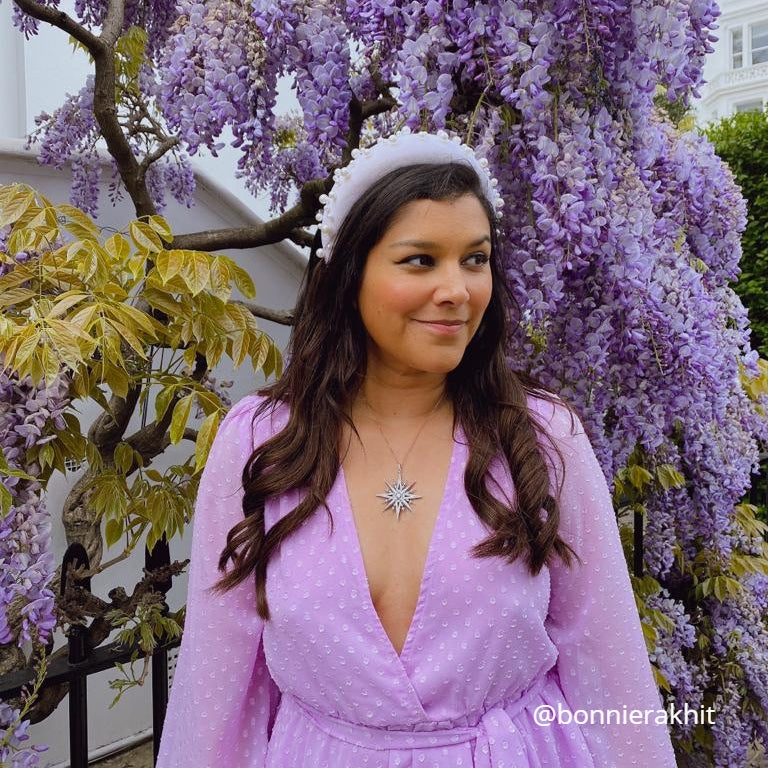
[(737, 71)]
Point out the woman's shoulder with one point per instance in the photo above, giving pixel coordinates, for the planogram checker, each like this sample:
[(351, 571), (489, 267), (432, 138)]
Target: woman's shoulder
[(256, 413), (554, 415)]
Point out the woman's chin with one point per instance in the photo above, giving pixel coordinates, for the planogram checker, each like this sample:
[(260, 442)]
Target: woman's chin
[(442, 366)]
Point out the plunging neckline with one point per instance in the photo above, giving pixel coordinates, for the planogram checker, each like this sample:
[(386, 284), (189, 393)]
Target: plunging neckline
[(428, 562)]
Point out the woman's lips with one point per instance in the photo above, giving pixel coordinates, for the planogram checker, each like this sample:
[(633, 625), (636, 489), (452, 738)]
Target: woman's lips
[(445, 327)]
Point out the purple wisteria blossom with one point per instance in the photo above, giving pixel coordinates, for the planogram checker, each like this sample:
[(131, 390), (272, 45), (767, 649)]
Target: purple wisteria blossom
[(26, 413), (16, 754)]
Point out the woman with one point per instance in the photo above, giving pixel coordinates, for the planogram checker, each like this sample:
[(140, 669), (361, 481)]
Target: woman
[(406, 606)]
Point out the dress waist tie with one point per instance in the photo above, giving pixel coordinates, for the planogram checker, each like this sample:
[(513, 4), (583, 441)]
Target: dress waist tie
[(498, 738)]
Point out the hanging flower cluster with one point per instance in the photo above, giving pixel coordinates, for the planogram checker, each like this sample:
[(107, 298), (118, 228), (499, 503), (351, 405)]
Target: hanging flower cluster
[(26, 413), (16, 753), (211, 72), (27, 612)]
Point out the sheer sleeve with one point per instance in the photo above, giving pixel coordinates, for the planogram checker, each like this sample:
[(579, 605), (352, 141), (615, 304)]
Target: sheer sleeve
[(593, 620), (223, 701)]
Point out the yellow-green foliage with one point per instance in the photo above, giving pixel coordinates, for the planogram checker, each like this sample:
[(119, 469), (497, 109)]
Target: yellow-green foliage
[(99, 309)]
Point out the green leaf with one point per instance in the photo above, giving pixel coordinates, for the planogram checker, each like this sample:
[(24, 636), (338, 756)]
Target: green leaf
[(117, 247), (649, 633), (163, 400), (260, 350), (205, 436), (161, 227), (180, 417), (242, 279), (6, 500), (92, 454), (15, 207), (144, 237), (45, 456), (113, 531), (151, 539), (65, 301), (148, 641), (195, 270), (123, 457), (661, 680), (80, 225), (116, 378), (168, 264), (22, 240), (669, 477), (220, 279), (639, 476)]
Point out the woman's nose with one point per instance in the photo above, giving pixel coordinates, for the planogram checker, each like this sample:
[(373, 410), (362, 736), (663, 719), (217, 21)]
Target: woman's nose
[(452, 286)]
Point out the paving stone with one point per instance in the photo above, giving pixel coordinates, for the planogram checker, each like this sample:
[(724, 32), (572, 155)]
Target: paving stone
[(138, 757)]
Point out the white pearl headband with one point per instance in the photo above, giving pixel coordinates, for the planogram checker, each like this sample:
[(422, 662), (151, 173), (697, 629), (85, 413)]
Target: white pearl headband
[(396, 151)]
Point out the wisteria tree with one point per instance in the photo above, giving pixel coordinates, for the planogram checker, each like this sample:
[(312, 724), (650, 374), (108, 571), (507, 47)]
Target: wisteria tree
[(620, 245)]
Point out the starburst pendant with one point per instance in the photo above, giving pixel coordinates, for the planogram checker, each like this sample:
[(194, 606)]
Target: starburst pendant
[(399, 494)]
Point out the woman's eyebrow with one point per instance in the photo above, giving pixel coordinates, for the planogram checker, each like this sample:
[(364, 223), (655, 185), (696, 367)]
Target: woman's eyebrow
[(430, 244)]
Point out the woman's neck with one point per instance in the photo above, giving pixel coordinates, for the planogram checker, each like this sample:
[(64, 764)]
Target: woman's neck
[(398, 399)]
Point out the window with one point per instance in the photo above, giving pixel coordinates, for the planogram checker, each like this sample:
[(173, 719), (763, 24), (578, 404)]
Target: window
[(749, 45), (749, 106), (737, 55), (759, 35)]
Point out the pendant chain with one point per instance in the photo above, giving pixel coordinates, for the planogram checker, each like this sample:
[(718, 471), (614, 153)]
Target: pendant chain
[(399, 494)]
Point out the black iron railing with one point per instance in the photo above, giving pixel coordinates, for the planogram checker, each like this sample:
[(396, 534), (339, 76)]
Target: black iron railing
[(81, 662)]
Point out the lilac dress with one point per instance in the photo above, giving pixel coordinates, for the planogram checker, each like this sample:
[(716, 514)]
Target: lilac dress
[(320, 685)]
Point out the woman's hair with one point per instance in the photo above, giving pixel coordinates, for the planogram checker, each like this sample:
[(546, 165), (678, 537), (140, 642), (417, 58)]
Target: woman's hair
[(327, 366)]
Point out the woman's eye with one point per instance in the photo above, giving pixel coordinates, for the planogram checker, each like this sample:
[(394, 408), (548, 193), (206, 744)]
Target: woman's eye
[(425, 260), (420, 260)]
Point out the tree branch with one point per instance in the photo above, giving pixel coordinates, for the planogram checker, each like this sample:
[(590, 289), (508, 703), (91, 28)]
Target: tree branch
[(141, 442), (152, 439), (105, 112), (113, 22), (63, 21), (286, 226), (377, 106), (109, 426), (278, 229), (302, 238), (104, 105), (283, 317), (100, 629), (166, 145)]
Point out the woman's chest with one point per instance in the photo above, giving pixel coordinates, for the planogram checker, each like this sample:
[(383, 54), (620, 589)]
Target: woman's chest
[(317, 583), (477, 630), (395, 509)]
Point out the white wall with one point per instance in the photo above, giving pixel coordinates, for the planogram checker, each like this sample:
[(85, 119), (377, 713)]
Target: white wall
[(12, 90)]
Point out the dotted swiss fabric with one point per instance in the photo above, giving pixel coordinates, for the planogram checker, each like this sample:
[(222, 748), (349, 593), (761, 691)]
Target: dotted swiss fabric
[(320, 684)]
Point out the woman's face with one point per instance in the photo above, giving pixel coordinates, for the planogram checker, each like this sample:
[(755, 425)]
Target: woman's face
[(426, 285)]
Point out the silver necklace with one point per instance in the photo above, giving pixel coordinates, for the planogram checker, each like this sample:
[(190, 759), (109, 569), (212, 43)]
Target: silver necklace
[(399, 494)]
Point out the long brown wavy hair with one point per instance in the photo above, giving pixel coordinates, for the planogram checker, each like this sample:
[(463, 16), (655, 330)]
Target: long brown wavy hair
[(326, 367)]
